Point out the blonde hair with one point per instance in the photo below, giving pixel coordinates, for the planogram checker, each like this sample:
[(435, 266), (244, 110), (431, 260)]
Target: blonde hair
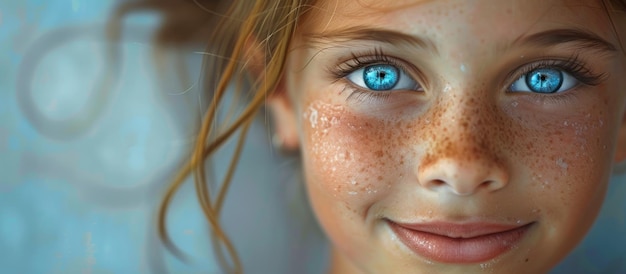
[(271, 24), (230, 30)]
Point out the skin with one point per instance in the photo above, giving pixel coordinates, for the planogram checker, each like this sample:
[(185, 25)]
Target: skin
[(463, 147)]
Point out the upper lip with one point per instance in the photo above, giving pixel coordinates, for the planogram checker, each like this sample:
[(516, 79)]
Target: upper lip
[(461, 230)]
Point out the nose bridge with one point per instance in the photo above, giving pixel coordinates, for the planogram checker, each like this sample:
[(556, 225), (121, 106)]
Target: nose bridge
[(468, 125), (462, 155)]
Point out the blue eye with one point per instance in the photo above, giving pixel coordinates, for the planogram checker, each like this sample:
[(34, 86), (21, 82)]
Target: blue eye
[(544, 80), (381, 77)]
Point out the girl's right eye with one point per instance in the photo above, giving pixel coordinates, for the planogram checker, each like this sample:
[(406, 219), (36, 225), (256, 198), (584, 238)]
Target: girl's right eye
[(382, 77)]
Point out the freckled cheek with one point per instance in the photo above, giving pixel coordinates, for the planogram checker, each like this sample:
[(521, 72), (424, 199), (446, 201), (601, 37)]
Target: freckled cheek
[(570, 164), (349, 157)]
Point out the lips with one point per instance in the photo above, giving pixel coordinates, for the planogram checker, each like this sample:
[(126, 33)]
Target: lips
[(459, 243)]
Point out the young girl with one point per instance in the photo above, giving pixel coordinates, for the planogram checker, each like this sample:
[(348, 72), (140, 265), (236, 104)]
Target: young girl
[(434, 136)]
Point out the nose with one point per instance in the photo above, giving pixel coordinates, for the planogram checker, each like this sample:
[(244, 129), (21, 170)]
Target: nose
[(462, 176), (464, 157)]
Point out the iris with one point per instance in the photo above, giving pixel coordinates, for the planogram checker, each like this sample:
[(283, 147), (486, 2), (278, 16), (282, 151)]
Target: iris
[(381, 77), (544, 80)]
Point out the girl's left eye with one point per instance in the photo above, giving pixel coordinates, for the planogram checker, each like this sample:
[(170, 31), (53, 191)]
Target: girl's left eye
[(544, 80), (382, 77)]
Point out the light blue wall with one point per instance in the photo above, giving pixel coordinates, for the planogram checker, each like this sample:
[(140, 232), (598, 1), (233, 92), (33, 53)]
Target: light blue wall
[(86, 203)]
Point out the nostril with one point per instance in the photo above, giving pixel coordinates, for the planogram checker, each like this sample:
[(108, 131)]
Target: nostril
[(493, 184), (437, 183), (487, 184)]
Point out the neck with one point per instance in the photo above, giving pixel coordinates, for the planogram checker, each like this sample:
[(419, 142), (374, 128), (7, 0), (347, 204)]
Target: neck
[(339, 264)]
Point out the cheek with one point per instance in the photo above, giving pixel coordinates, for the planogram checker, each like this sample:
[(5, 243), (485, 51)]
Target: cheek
[(348, 157), (568, 159)]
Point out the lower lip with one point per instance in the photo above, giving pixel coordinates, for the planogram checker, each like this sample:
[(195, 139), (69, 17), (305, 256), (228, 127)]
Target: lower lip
[(459, 250)]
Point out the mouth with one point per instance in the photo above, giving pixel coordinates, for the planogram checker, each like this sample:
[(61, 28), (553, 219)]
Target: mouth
[(456, 243)]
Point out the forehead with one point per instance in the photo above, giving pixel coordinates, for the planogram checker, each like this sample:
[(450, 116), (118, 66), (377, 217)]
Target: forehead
[(435, 17)]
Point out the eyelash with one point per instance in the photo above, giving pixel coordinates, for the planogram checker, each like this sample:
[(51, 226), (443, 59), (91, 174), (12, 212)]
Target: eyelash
[(571, 65), (362, 60)]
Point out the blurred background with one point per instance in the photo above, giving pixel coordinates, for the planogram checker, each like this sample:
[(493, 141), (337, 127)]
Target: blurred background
[(88, 143)]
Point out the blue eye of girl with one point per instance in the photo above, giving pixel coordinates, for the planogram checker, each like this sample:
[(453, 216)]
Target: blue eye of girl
[(544, 80), (382, 77)]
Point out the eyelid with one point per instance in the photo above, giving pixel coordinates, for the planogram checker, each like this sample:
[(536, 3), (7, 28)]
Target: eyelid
[(572, 66), (372, 57), (567, 83)]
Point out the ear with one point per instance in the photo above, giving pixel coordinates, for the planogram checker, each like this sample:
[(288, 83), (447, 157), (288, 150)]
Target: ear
[(278, 101), (284, 118)]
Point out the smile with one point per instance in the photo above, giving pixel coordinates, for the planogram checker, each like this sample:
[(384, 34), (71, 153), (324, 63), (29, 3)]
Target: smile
[(459, 243)]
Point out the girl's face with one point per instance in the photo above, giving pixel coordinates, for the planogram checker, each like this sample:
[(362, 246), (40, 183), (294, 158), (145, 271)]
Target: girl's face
[(455, 136)]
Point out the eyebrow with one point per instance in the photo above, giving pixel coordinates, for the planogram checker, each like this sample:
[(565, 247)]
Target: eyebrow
[(581, 38), (550, 38), (371, 34)]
